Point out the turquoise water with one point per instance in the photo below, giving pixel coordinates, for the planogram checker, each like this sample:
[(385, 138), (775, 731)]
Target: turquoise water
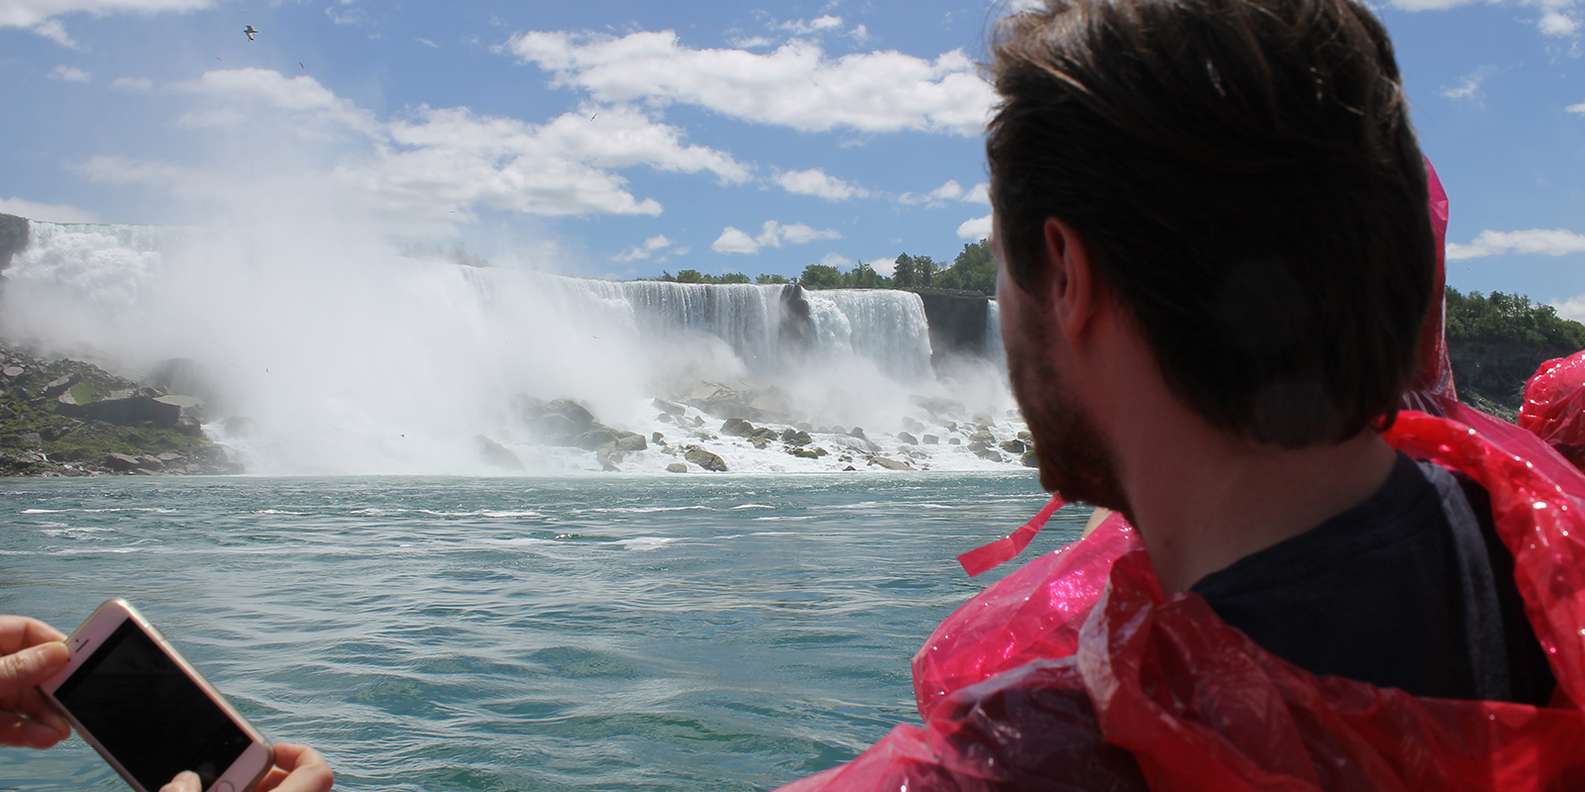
[(722, 632)]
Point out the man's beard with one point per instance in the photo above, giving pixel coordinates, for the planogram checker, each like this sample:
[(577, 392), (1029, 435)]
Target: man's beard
[(1075, 459)]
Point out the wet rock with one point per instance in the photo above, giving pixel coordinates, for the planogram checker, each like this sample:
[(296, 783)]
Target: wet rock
[(989, 455), (705, 459), (737, 427), (954, 441), (912, 425), (890, 464), (171, 458), (932, 440), (1014, 446), (631, 441), (1025, 436), (907, 439), (657, 438), (121, 463), (123, 408), (983, 436), (677, 467), (59, 385), (848, 468), (803, 453), (496, 455), (1030, 459), (12, 372), (797, 437), (858, 431), (608, 458), (669, 408), (595, 439), (663, 418)]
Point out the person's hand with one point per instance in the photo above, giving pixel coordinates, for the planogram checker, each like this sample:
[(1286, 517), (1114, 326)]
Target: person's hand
[(298, 768), (30, 652)]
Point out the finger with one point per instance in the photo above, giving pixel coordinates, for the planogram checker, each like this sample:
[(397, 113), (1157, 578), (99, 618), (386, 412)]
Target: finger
[(185, 781), (31, 666), (20, 632), (33, 704), (24, 733), (307, 770), (271, 780)]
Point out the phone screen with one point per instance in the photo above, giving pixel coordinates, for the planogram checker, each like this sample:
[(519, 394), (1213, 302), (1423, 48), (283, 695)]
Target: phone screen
[(148, 714)]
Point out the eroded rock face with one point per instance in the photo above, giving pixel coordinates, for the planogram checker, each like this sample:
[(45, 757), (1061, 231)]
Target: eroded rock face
[(496, 455), (14, 237)]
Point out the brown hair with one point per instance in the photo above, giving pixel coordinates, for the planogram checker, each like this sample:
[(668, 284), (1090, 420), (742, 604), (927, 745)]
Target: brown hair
[(1246, 177)]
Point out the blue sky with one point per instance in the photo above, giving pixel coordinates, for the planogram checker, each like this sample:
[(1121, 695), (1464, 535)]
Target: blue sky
[(624, 138)]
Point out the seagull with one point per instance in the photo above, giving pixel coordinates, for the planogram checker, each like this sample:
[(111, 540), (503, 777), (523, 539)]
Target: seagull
[(301, 66), (249, 32)]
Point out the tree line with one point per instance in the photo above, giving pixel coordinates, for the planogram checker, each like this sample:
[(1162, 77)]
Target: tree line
[(974, 269)]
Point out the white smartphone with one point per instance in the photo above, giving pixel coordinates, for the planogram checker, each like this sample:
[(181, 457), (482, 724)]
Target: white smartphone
[(147, 712)]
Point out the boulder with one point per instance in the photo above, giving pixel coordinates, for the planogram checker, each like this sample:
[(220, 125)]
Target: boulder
[(989, 455), (803, 453), (1014, 446), (737, 427), (858, 431), (907, 439), (912, 425), (765, 434), (657, 438), (596, 439), (983, 436), (890, 464), (796, 437), (848, 468), (171, 457), (572, 411), (190, 406), (12, 371), (663, 418), (705, 459), (631, 441), (123, 407), (677, 467), (669, 408), (954, 441), (977, 445), (150, 462), (608, 458), (121, 463), (1026, 437), (1029, 459), (932, 440), (59, 385), (496, 455)]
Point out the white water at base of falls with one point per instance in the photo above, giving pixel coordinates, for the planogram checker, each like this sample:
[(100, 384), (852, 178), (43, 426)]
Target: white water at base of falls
[(347, 357)]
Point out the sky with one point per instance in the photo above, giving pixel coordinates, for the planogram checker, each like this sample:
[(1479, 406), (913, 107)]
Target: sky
[(623, 139)]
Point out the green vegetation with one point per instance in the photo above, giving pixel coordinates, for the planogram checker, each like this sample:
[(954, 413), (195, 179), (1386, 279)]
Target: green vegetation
[(1496, 342), (974, 270)]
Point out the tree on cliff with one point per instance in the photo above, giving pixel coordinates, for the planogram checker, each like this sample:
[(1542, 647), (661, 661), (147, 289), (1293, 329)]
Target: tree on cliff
[(1496, 342), (821, 276), (765, 278), (973, 270)]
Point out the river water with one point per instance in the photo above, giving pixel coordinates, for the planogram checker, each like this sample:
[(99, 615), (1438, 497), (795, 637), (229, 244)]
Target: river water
[(658, 633)]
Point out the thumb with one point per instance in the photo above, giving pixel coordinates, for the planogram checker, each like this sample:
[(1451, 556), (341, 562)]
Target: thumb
[(31, 666)]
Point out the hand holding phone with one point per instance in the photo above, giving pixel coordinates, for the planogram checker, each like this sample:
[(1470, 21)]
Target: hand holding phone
[(298, 768), (30, 652)]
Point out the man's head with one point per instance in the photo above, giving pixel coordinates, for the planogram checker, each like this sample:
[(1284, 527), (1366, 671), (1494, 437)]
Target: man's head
[(1238, 182)]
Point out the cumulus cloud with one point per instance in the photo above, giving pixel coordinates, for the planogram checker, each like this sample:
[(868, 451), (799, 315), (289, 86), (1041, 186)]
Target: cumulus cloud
[(43, 17), (818, 183), (949, 191), (975, 229), (1532, 242), (796, 85), (1470, 89), (1577, 109), (1557, 24), (819, 24), (53, 213), (427, 42), (978, 194), (772, 234), (69, 74), (435, 165), (645, 251), (132, 84), (883, 265), (1571, 308)]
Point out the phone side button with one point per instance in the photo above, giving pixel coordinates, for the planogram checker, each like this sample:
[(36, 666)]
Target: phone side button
[(223, 786)]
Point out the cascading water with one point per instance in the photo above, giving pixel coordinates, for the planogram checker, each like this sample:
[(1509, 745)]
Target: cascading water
[(347, 357)]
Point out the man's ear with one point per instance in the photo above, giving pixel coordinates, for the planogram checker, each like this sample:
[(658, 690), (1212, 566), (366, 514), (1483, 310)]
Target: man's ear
[(1071, 287)]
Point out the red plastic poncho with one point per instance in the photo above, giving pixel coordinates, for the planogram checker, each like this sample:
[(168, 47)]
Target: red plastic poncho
[(1039, 683), (1554, 406), (1077, 672)]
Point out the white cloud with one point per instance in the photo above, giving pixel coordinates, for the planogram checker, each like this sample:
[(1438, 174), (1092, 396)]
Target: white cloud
[(839, 261), (752, 42), (949, 191), (644, 251), (1558, 24), (804, 27), (978, 194), (1532, 242), (1571, 308), (859, 33), (253, 88), (1577, 109), (346, 12), (43, 16), (818, 183), (1470, 88), (427, 42), (885, 266), (435, 165), (54, 213), (975, 229), (796, 85), (772, 234), (132, 84), (69, 74)]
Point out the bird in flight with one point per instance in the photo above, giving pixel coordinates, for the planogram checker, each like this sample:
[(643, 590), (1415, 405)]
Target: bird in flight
[(249, 32)]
